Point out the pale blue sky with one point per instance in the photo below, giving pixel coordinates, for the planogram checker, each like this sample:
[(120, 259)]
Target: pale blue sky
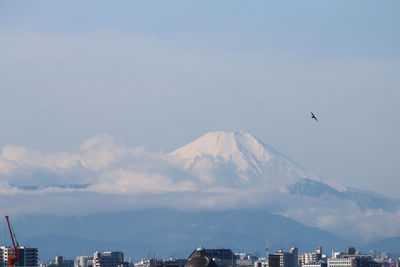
[(160, 74)]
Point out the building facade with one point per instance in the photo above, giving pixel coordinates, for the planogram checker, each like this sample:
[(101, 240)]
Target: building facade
[(351, 259), (27, 256), (261, 262), (83, 261), (311, 258), (245, 260), (109, 259), (222, 257), (284, 259), (61, 262), (316, 264), (161, 263)]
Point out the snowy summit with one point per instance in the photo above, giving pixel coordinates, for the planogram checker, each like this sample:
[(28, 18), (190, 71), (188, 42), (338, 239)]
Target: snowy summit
[(252, 158)]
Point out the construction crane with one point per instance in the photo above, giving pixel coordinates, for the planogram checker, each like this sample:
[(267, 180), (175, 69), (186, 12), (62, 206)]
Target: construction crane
[(13, 258)]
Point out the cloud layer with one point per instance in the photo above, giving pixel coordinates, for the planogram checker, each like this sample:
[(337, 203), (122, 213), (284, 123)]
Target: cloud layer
[(105, 175)]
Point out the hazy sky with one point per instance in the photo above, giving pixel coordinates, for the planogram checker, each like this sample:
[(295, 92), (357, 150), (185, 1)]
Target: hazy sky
[(161, 74)]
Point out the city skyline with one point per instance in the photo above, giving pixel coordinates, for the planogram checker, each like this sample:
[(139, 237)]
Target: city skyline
[(167, 121), (223, 257)]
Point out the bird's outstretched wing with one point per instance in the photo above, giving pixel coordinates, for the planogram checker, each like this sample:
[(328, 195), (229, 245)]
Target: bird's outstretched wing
[(313, 116)]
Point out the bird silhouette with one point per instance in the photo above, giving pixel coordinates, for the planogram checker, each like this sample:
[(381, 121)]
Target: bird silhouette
[(313, 116)]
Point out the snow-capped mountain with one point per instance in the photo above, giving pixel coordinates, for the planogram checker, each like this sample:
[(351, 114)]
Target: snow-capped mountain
[(220, 170), (253, 161), (258, 165)]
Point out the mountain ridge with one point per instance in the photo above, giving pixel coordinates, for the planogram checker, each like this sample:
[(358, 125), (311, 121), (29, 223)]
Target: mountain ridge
[(168, 232)]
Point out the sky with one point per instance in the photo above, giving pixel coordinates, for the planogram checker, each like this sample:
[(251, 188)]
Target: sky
[(161, 74)]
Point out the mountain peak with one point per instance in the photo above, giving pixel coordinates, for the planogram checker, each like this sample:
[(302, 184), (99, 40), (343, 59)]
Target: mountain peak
[(240, 147), (254, 160)]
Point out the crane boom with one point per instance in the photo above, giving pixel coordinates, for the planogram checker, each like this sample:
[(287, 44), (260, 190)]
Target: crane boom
[(13, 258)]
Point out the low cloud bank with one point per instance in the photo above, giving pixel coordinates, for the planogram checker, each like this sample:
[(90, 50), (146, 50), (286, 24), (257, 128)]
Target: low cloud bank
[(105, 175)]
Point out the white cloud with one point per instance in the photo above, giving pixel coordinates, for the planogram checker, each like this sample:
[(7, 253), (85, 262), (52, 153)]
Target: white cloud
[(123, 177), (6, 166), (22, 156), (122, 181), (100, 151)]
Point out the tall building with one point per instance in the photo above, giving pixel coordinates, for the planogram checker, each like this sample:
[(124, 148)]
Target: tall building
[(275, 260), (4, 252), (27, 256), (83, 261), (59, 260), (293, 257), (109, 259), (284, 259)]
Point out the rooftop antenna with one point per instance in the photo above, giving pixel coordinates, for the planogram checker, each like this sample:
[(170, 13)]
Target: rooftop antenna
[(267, 249)]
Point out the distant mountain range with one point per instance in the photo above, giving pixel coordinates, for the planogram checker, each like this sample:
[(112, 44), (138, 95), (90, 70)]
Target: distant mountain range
[(170, 233), (364, 200), (167, 233)]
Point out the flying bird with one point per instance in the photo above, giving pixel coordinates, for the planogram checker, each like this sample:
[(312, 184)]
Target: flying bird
[(313, 116)]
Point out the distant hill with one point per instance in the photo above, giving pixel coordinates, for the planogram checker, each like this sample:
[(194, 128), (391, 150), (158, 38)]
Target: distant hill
[(167, 233)]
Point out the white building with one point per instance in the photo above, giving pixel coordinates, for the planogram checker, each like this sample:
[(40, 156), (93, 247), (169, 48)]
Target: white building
[(341, 262), (351, 259), (245, 259), (172, 262), (83, 261), (27, 256), (312, 257), (315, 264)]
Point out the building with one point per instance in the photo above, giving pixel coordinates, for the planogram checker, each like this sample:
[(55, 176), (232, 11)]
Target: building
[(310, 258), (261, 262), (293, 257), (198, 259), (161, 263), (222, 257), (245, 259), (4, 252), (351, 259), (27, 256), (83, 261), (61, 262), (319, 263), (284, 259), (275, 260), (109, 259)]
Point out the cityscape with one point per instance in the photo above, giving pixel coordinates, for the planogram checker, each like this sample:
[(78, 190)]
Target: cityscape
[(220, 257), (206, 133)]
